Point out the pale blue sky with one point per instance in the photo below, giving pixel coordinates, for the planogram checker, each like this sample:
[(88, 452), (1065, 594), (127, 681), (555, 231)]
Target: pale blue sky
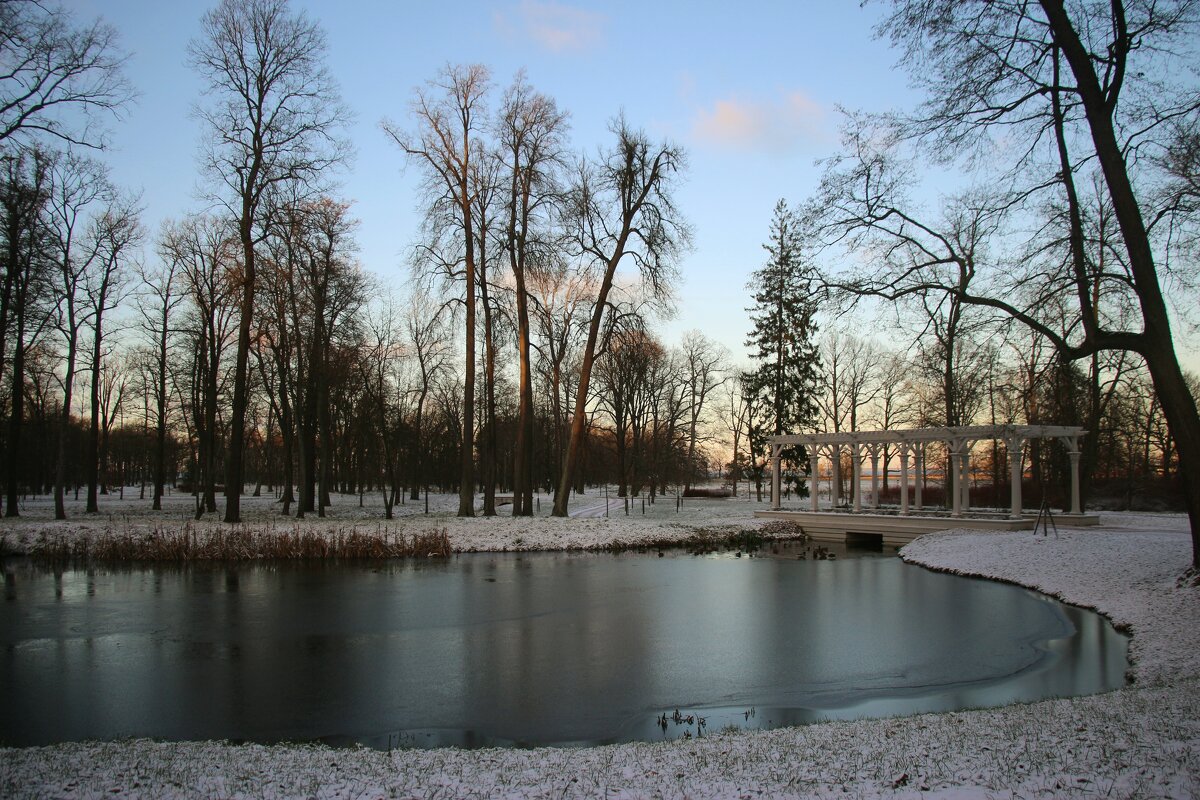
[(750, 89)]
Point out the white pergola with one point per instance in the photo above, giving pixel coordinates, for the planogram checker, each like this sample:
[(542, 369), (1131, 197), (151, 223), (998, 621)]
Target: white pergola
[(911, 444)]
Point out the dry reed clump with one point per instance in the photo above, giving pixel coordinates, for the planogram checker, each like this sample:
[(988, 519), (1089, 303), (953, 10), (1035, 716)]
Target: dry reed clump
[(243, 544), (782, 529), (712, 540)]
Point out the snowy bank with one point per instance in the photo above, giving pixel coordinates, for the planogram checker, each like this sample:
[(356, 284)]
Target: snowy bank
[(595, 523), (1141, 741)]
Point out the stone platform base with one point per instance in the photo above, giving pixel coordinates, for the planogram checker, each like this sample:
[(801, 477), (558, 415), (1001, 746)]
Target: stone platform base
[(893, 529)]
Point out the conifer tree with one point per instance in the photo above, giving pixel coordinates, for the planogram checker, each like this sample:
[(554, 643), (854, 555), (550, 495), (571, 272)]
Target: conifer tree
[(782, 341)]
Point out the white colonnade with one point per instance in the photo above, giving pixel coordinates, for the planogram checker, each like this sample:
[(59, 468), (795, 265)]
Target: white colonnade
[(909, 446)]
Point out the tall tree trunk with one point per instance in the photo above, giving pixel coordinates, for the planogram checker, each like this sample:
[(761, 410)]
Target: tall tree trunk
[(307, 443), (60, 468), (579, 419), (287, 435), (16, 421), (1157, 348), (91, 466), (325, 425), (523, 448), (419, 477), (241, 377), (466, 494), (488, 451), (160, 433)]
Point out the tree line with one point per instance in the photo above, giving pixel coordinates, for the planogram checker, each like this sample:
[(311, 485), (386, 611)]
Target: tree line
[(253, 346), (1070, 131), (255, 350)]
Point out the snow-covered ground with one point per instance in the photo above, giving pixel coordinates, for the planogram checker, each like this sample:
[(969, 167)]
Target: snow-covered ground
[(587, 528), (1140, 741)]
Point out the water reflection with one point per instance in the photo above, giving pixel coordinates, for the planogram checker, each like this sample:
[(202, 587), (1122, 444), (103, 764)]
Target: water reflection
[(522, 648)]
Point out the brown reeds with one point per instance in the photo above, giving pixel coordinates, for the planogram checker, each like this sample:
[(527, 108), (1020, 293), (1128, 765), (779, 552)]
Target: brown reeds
[(243, 544), (711, 540)]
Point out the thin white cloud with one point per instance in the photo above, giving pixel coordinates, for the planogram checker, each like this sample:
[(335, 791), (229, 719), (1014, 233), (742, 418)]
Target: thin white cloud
[(781, 126), (555, 27)]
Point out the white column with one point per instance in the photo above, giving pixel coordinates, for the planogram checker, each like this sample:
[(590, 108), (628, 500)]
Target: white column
[(875, 476), (954, 478), (835, 474), (964, 485), (1015, 475), (919, 473), (856, 477), (1076, 506), (813, 463), (903, 481), (776, 450)]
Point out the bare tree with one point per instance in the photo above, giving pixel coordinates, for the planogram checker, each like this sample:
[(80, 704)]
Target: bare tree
[(57, 79), (451, 117), (117, 232), (625, 383), (78, 185), (160, 295), (272, 115), (621, 206), (530, 131), (24, 302), (1078, 89), (204, 250), (561, 298), (331, 288), (892, 404), (384, 354), (112, 390), (430, 339), (734, 413), (668, 410), (705, 369), (487, 224)]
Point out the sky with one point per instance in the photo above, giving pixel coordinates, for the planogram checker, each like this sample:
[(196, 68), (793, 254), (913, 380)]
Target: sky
[(750, 90)]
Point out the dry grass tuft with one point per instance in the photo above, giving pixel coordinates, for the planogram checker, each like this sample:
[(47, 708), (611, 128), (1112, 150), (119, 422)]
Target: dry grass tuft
[(712, 540)]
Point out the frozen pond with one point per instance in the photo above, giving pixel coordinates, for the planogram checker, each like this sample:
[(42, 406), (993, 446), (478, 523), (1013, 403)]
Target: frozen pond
[(545, 648)]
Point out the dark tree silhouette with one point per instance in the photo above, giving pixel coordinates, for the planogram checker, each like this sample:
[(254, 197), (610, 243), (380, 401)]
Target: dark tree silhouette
[(272, 113), (57, 80), (622, 206), (24, 301), (1079, 90), (450, 120)]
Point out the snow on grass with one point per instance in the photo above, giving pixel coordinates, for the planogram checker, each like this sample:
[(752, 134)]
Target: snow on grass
[(588, 528), (1140, 741)]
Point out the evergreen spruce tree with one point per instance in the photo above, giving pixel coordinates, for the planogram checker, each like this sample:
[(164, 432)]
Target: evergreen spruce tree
[(782, 341)]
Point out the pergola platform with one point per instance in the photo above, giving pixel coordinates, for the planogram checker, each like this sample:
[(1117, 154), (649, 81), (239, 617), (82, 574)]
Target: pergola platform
[(893, 529), (911, 518)]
